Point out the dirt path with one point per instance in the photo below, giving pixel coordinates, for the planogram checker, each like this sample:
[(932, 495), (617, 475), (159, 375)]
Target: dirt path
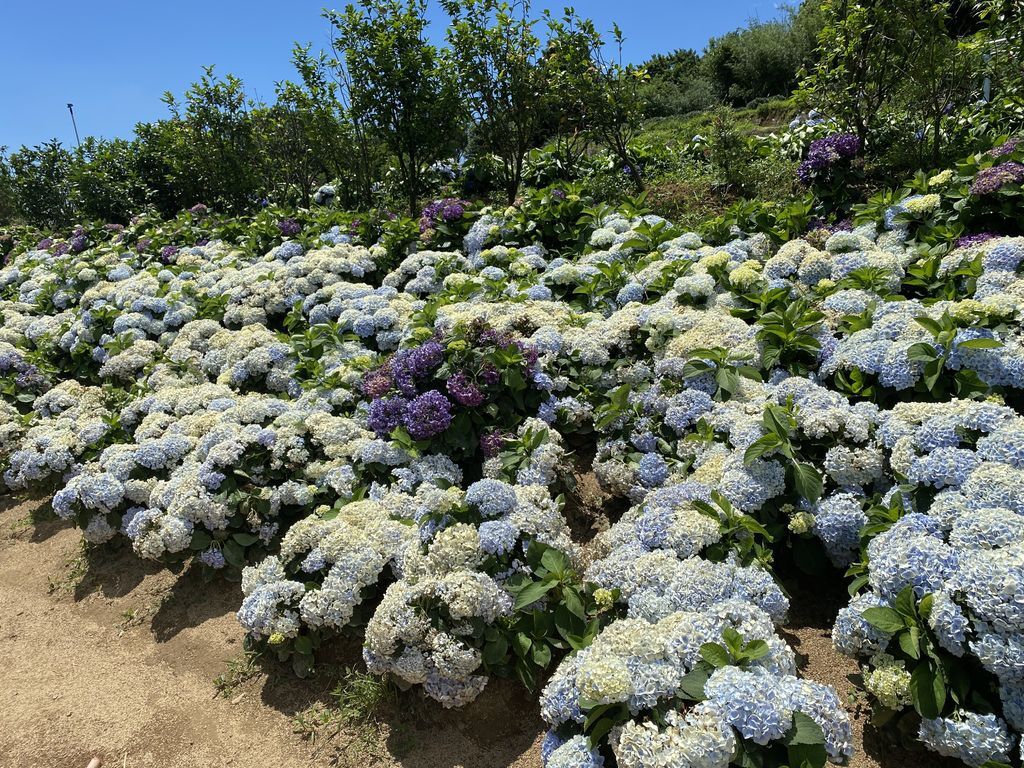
[(116, 659), (810, 634), (104, 655)]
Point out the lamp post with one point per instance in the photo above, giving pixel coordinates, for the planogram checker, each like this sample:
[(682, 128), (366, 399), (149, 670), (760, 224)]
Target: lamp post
[(71, 109)]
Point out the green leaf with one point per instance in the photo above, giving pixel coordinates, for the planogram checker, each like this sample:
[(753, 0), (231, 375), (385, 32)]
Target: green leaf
[(910, 642), (928, 690), (756, 649), (808, 481), (906, 604), (573, 602), (930, 325), (555, 561), (531, 593), (494, 652), (715, 655), (523, 643), (805, 730), (922, 353), (541, 655), (805, 743), (692, 684), (760, 447), (233, 554), (885, 619), (245, 539), (980, 344), (600, 730)]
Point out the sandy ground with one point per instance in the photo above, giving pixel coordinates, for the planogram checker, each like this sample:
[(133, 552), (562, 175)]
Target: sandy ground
[(116, 659), (106, 656)]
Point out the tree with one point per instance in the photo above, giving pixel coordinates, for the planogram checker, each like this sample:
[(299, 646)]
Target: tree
[(497, 55), (342, 141), (569, 69), (677, 84), (858, 69), (210, 145), (43, 184), (9, 209), (618, 106), (937, 66), (106, 180), (400, 84), (764, 58), (603, 94), (1001, 45), (304, 134)]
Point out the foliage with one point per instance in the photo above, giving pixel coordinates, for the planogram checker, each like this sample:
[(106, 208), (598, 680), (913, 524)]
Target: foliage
[(402, 86), (497, 56)]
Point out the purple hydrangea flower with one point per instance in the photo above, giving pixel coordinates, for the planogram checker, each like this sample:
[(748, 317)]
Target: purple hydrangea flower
[(464, 391), (428, 415), (407, 365), (167, 253), (79, 242), (826, 152), (1008, 147), (376, 383), (977, 239), (989, 180), (198, 209), (289, 227), (491, 443), (448, 210), (143, 244), (387, 413), (489, 375)]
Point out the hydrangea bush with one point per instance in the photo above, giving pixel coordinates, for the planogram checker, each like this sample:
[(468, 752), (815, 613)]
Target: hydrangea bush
[(375, 428)]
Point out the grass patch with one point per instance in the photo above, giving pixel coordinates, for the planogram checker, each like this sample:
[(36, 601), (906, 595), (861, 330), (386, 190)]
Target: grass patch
[(241, 669), (74, 569), (349, 730)]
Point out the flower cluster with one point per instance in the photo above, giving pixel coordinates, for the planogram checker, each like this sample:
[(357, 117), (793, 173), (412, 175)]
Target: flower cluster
[(825, 153), (390, 441)]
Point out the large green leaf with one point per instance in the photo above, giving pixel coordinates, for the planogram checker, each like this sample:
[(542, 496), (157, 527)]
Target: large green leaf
[(715, 655), (531, 593), (928, 690), (885, 619)]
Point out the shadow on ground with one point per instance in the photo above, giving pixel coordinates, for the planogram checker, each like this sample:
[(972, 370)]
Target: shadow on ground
[(196, 596), (112, 570)]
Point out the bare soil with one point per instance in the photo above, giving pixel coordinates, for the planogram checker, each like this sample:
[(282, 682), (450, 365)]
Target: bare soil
[(107, 656), (104, 655)]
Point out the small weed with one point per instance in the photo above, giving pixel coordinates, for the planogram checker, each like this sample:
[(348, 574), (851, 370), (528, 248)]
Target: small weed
[(362, 696), (241, 669), (40, 513), (74, 570), (350, 727)]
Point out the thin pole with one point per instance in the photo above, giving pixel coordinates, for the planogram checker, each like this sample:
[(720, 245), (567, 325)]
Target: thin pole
[(71, 109)]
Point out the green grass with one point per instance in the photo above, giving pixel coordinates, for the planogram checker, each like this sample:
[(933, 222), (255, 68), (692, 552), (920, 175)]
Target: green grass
[(350, 730), (241, 669), (74, 569)]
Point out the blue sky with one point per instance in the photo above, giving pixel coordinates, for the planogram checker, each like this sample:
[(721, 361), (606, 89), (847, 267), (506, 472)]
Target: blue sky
[(114, 59)]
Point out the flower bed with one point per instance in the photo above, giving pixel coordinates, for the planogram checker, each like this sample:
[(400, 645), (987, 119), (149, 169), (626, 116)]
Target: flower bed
[(377, 445)]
